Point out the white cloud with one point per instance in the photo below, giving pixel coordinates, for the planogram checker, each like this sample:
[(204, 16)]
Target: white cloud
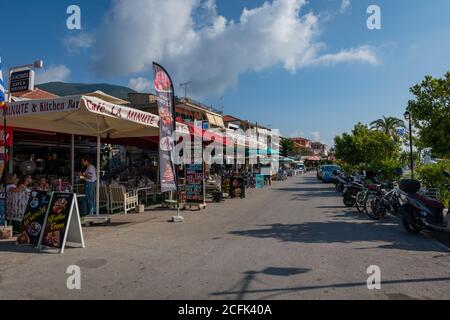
[(363, 54), (74, 43), (345, 4), (315, 135), (195, 43), (53, 73), (140, 84)]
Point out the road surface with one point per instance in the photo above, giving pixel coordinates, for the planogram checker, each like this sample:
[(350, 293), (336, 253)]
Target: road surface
[(293, 240)]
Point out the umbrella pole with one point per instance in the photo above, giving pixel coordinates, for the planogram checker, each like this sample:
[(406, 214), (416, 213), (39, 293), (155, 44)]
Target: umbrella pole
[(97, 200)]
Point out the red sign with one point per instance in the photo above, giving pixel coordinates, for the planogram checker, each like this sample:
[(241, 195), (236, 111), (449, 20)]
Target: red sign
[(9, 136)]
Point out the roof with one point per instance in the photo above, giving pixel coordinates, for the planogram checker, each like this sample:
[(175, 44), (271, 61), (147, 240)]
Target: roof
[(230, 118), (35, 94)]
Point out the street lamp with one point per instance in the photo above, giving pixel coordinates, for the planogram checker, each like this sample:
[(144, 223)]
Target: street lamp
[(407, 116)]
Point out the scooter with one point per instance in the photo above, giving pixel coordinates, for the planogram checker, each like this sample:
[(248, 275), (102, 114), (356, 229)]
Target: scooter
[(419, 212)]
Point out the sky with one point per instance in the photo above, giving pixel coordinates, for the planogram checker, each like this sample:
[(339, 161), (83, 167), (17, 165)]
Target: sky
[(309, 68)]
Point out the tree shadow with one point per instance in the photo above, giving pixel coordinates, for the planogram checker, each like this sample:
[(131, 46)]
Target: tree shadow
[(342, 232), (242, 288)]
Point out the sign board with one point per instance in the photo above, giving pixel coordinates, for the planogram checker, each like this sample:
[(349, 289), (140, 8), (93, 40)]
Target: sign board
[(259, 181), (22, 80), (62, 223), (33, 218), (194, 183)]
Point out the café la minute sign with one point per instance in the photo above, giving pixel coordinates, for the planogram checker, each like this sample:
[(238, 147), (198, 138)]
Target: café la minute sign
[(21, 80)]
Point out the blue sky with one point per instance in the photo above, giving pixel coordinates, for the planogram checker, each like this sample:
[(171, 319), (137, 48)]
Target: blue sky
[(316, 100)]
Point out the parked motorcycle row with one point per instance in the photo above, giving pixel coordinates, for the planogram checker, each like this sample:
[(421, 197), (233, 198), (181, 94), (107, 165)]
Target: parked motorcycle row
[(405, 198)]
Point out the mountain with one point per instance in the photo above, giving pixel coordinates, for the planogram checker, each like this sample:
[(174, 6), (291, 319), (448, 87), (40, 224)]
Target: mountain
[(67, 89)]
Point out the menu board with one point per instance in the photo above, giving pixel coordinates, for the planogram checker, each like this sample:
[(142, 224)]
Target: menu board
[(237, 187), (194, 183), (33, 218), (56, 222)]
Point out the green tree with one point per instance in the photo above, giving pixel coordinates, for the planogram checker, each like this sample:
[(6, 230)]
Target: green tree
[(287, 146), (430, 112), (388, 125), (368, 149)]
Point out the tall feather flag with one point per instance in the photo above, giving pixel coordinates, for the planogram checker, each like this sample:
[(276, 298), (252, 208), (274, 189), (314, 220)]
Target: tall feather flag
[(2, 87)]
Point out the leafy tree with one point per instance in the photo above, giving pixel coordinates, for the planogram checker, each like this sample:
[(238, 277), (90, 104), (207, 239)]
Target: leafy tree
[(287, 146), (368, 149), (430, 112), (388, 125)]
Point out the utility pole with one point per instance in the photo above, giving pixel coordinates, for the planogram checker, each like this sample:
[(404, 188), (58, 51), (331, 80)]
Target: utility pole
[(185, 85)]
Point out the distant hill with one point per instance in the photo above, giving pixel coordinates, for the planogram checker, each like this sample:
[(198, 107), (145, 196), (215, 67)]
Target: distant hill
[(67, 89)]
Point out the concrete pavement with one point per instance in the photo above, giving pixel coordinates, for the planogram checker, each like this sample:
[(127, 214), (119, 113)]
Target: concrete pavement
[(294, 240)]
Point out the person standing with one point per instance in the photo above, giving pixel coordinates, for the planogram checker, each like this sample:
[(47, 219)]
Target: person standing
[(90, 178)]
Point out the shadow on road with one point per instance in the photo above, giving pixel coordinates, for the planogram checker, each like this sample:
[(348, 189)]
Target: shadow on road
[(341, 232), (273, 292), (243, 286)]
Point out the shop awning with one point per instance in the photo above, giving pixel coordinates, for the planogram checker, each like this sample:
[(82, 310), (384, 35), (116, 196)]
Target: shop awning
[(86, 115)]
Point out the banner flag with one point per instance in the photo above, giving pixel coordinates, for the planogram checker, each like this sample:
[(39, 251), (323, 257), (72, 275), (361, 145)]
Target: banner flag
[(166, 109)]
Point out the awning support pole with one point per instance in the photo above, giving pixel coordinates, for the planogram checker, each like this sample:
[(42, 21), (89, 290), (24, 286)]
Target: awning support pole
[(72, 160), (98, 178)]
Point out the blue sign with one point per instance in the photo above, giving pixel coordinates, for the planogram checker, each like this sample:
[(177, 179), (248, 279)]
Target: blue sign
[(401, 131), (259, 181), (205, 125)]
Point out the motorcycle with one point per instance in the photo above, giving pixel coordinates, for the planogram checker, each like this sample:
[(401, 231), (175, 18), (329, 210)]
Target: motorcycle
[(341, 179), (351, 189), (419, 212)]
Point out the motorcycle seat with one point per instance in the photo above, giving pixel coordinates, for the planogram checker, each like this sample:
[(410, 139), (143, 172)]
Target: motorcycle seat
[(432, 204)]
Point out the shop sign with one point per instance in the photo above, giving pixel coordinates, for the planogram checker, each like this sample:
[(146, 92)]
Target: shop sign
[(22, 80), (22, 108), (194, 183)]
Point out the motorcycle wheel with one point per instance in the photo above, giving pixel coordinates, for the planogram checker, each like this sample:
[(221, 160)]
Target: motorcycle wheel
[(409, 222), (373, 209), (349, 201)]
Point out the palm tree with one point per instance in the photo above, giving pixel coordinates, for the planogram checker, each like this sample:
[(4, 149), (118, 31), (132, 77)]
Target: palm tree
[(388, 125)]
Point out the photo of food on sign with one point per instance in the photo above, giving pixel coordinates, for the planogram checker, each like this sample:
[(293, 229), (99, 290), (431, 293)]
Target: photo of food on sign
[(162, 82), (166, 116), (168, 174), (60, 206), (52, 239)]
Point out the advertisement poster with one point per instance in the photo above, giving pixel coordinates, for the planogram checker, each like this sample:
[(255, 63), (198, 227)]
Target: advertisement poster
[(33, 218), (165, 96), (56, 223), (194, 183)]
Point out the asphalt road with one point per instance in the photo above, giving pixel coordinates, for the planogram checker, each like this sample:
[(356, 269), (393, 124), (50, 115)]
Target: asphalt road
[(294, 240)]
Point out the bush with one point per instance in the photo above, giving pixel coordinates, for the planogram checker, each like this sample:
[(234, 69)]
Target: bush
[(433, 178)]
